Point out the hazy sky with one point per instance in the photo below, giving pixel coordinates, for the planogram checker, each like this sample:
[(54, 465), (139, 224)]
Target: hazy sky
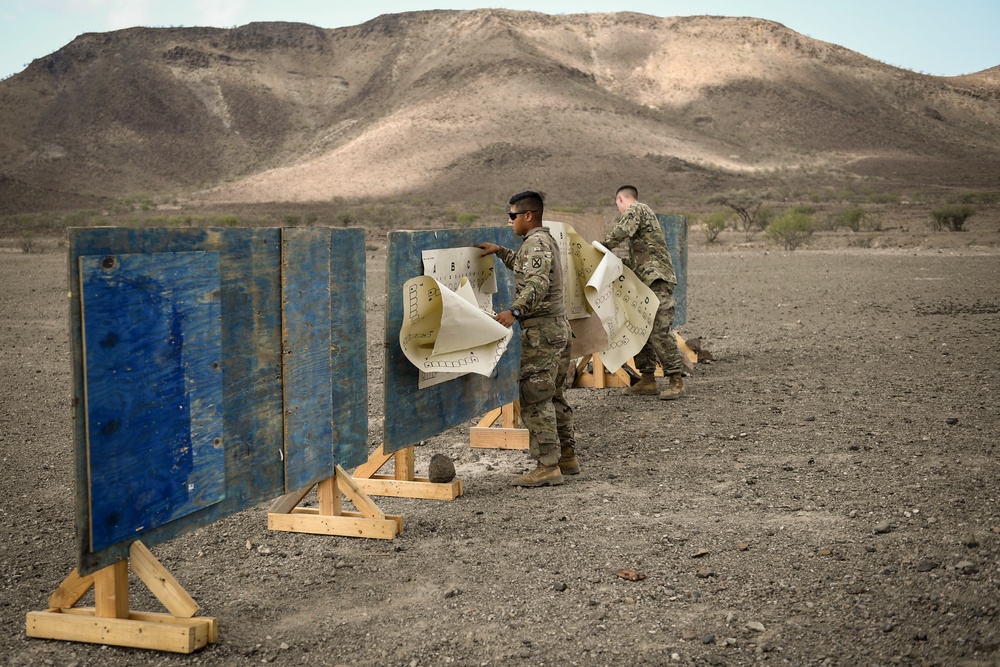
[(935, 37)]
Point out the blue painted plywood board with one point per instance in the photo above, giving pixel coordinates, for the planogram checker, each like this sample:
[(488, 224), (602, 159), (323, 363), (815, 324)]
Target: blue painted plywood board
[(325, 373), (349, 347), (306, 372), (413, 414), (675, 231), (249, 299), (154, 389)]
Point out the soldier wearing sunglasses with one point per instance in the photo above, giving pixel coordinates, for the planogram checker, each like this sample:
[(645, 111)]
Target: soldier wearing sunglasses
[(545, 336)]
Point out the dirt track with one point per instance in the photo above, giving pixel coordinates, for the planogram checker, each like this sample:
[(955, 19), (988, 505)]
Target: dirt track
[(851, 388)]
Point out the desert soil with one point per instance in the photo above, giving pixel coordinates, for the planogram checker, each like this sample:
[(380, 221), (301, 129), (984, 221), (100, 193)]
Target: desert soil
[(826, 494)]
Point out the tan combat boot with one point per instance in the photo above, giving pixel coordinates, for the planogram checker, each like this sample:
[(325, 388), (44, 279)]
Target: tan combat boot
[(675, 389), (568, 463), (645, 387), (543, 475)]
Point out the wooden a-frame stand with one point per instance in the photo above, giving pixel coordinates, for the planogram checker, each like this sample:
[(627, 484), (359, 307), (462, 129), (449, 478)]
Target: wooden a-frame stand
[(507, 436), (111, 622), (329, 518), (402, 483), (601, 377)]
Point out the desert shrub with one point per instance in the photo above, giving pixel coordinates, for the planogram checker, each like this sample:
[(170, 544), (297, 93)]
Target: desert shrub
[(345, 218), (292, 219), (28, 242), (226, 221), (851, 218), (884, 198), (466, 219), (790, 229), (310, 218), (951, 218), (981, 198), (765, 214), (715, 223)]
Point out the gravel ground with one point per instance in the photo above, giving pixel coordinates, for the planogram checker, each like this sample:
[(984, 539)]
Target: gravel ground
[(826, 494)]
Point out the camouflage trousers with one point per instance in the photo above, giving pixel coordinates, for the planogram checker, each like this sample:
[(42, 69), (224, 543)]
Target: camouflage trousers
[(544, 368), (661, 345)]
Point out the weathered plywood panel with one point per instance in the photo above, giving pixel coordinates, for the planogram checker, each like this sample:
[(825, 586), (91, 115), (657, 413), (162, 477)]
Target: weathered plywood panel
[(675, 231), (349, 347), (250, 306), (306, 372), (413, 414), (154, 389), (325, 372)]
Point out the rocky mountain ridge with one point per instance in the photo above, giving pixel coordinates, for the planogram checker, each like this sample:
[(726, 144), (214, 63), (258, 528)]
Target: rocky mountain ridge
[(463, 105)]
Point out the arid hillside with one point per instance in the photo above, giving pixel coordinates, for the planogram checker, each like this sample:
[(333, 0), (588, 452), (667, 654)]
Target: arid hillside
[(466, 105)]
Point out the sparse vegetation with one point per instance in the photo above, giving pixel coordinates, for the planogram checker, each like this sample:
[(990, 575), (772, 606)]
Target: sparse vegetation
[(715, 223), (951, 218), (746, 206), (28, 242), (791, 229), (466, 219)]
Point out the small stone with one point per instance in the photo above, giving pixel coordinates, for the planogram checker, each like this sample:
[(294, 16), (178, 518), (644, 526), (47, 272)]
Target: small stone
[(883, 527), (559, 586), (756, 626), (708, 639), (689, 635), (704, 572), (970, 541), (451, 593), (700, 553), (441, 469), (743, 546), (967, 567), (927, 566), (951, 421), (283, 646)]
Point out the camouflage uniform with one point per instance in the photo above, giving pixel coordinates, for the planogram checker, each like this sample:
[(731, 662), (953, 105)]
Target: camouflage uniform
[(545, 338), (649, 258)]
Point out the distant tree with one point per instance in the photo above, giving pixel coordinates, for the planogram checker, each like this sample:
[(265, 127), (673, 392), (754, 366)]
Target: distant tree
[(746, 206)]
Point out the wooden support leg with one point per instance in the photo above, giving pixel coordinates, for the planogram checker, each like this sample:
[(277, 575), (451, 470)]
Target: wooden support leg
[(402, 483), (599, 377), (330, 518), (111, 622), (508, 436)]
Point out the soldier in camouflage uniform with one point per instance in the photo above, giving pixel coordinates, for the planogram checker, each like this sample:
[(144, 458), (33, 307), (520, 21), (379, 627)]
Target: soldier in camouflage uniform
[(545, 336), (649, 258)]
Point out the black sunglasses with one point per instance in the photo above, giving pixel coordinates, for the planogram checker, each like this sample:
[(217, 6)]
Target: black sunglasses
[(514, 215)]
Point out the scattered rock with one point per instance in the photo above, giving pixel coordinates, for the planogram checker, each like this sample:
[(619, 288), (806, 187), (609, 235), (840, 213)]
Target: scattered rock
[(967, 567), (970, 541), (883, 527), (743, 546), (756, 626), (700, 553), (927, 566), (630, 575), (704, 572), (951, 421), (441, 469), (708, 639), (559, 586)]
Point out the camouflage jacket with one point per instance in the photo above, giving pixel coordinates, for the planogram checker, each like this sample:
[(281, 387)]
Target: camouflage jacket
[(647, 249), (538, 276)]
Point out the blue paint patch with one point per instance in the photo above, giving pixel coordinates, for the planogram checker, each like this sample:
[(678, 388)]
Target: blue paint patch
[(154, 390)]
